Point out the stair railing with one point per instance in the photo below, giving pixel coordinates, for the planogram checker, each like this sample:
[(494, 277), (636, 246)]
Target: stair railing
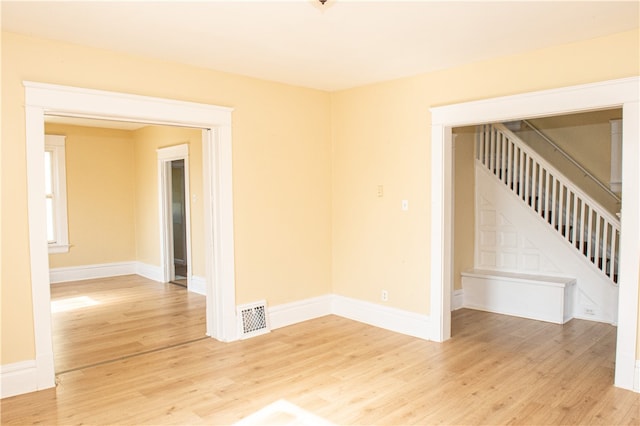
[(580, 167), (580, 220)]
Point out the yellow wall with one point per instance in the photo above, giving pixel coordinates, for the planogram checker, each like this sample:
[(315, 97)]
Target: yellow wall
[(306, 165), (99, 164), (281, 170), (147, 141), (464, 202), (381, 135), (112, 180)]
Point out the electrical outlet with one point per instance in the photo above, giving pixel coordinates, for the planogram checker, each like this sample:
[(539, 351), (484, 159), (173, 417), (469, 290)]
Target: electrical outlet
[(589, 311), (385, 296)]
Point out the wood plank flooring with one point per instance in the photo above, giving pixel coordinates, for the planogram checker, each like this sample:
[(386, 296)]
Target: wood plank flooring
[(495, 370), (124, 316)]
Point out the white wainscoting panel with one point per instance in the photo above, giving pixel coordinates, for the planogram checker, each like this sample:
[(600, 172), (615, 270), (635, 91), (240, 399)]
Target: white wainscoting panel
[(501, 245), (540, 250)]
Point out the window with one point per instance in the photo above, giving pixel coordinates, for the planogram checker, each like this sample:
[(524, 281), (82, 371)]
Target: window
[(55, 185)]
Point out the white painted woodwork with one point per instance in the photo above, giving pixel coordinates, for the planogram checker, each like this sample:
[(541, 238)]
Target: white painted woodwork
[(56, 144), (217, 183), (596, 237), (538, 297), (501, 245), (165, 156), (532, 248)]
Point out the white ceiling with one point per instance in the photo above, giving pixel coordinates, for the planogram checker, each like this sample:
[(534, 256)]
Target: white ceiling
[(343, 44)]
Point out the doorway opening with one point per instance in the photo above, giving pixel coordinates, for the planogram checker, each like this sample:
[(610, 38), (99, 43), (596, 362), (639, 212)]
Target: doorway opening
[(219, 280), (614, 93), (179, 224), (175, 215)]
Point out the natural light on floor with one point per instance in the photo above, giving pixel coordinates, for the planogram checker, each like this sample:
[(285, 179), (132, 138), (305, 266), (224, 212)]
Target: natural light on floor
[(283, 412), (72, 303)]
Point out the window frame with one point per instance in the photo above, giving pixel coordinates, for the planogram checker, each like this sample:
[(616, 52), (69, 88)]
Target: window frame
[(56, 144)]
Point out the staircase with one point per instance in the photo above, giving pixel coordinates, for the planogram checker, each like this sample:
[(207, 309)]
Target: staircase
[(580, 221)]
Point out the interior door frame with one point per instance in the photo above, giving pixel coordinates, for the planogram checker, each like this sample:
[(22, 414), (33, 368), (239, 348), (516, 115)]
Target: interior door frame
[(41, 99), (621, 93), (166, 156)]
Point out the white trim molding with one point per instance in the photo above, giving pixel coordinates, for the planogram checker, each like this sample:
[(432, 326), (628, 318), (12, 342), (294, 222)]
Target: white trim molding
[(56, 146), (457, 299), (636, 379), (623, 93), (197, 284), (151, 272), (398, 320), (87, 272), (18, 378), (299, 311), (41, 99)]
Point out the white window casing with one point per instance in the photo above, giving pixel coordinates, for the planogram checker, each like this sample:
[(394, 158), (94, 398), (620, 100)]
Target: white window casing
[(56, 194)]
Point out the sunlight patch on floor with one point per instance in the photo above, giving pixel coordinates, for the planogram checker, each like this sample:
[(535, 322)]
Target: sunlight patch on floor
[(72, 303), (283, 413)]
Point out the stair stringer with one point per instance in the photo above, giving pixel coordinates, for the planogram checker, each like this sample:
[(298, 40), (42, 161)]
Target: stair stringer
[(522, 234)]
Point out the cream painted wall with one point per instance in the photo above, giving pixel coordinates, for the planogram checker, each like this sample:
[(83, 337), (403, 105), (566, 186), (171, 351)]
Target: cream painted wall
[(99, 164), (281, 170), (147, 141), (381, 135), (464, 202), (306, 165)]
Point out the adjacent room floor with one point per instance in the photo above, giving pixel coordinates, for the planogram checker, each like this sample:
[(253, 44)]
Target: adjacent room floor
[(147, 363)]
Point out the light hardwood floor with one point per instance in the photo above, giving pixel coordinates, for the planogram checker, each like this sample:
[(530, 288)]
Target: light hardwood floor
[(495, 370), (124, 316)]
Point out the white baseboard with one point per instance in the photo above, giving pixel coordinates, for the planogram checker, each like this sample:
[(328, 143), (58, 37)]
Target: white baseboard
[(393, 319), (18, 378), (151, 272), (302, 310), (198, 285), (457, 300), (636, 377), (86, 272)]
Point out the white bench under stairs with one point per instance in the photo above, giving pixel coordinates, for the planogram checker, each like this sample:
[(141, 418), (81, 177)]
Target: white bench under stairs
[(539, 297)]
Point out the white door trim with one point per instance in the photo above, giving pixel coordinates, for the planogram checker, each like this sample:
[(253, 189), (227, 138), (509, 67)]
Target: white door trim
[(165, 156), (41, 99), (623, 93)]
